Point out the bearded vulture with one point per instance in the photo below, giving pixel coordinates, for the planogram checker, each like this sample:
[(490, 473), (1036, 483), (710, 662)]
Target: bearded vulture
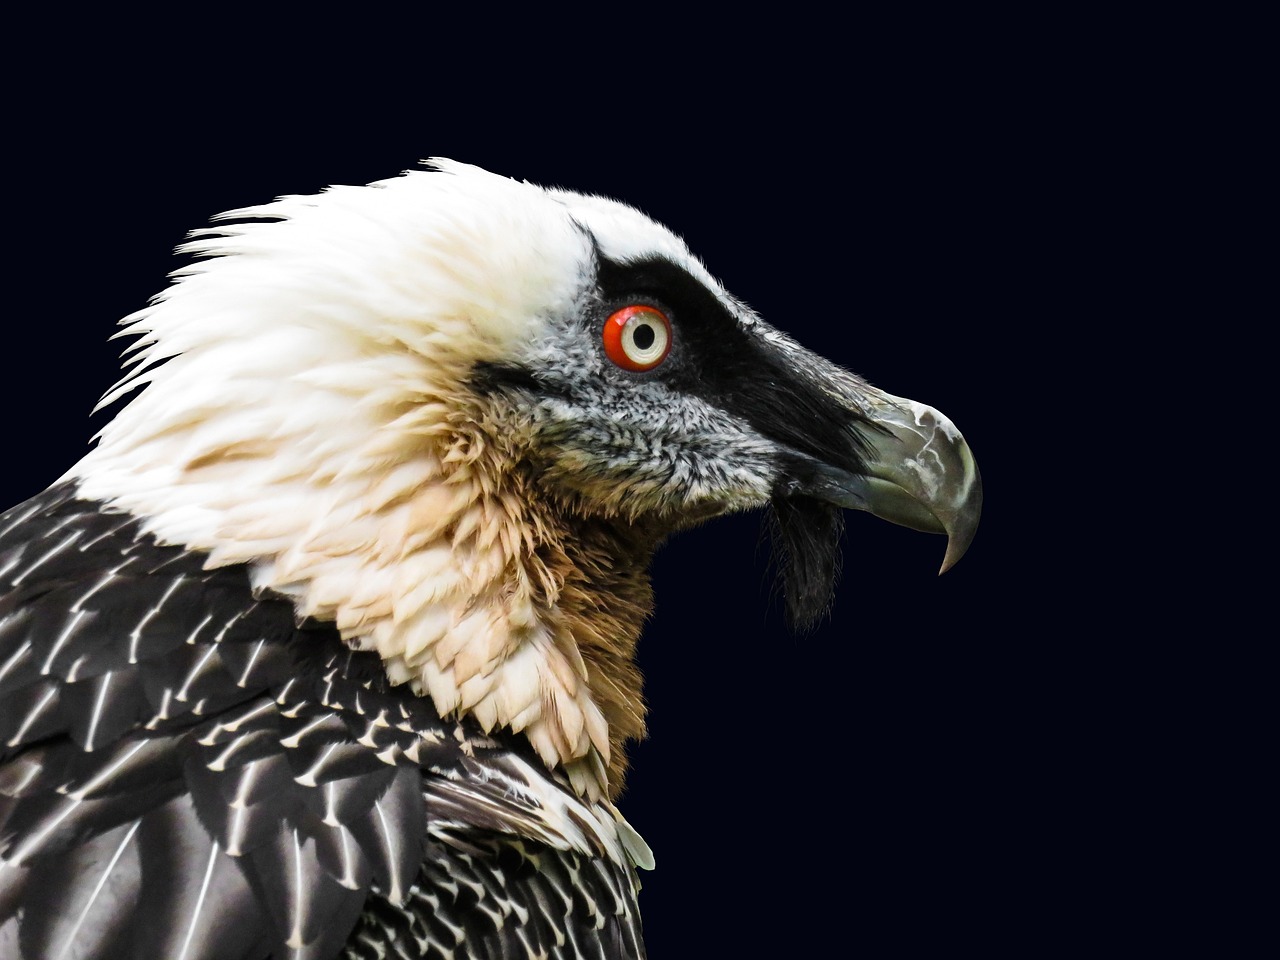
[(326, 649)]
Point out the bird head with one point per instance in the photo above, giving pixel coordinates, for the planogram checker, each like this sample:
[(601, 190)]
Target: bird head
[(455, 414)]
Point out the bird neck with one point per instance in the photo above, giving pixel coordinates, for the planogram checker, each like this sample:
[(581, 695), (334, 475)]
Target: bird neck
[(497, 604)]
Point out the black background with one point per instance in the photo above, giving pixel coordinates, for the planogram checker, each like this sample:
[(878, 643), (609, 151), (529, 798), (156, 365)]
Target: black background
[(924, 771)]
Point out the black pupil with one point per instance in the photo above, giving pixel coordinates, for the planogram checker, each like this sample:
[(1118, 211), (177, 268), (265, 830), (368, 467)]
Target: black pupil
[(643, 336)]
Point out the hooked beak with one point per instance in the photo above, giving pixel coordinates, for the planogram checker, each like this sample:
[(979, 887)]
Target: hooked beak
[(920, 473)]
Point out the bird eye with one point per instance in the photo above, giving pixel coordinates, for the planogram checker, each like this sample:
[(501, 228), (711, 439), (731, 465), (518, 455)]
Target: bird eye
[(637, 337)]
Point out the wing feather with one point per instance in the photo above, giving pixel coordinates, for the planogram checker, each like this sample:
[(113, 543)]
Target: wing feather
[(198, 903), (169, 738), (97, 884)]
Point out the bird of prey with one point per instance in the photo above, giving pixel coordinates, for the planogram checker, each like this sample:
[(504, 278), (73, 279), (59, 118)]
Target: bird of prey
[(326, 648)]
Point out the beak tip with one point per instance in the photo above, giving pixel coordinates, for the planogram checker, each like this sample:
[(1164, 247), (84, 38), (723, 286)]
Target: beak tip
[(950, 560), (963, 526)]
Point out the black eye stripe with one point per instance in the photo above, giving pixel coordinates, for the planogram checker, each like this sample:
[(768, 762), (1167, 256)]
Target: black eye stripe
[(699, 321), (717, 360), (666, 282)]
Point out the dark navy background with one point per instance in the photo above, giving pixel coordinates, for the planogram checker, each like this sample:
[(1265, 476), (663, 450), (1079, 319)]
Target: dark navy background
[(924, 771)]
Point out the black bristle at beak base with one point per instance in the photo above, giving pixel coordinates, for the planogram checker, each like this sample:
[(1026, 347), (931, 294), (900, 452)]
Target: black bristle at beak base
[(805, 535)]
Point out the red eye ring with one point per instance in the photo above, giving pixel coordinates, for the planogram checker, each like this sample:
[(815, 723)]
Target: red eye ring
[(637, 337)]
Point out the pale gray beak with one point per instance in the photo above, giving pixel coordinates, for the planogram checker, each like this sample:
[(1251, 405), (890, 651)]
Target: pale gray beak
[(922, 473)]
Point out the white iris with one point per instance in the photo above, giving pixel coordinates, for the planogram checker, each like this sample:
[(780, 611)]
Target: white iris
[(644, 339)]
